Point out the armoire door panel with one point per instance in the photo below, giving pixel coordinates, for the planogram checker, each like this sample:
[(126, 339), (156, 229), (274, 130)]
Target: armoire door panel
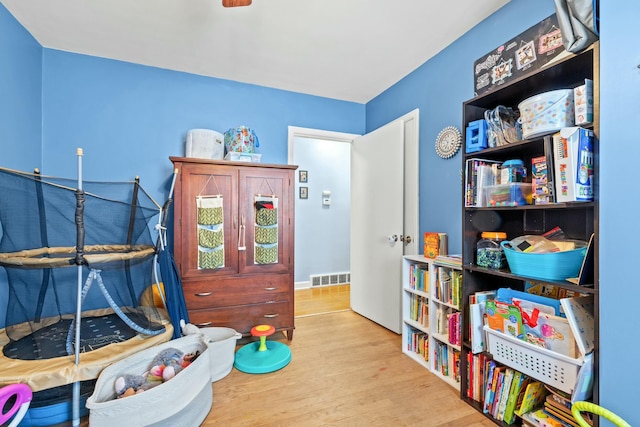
[(262, 185), (205, 183)]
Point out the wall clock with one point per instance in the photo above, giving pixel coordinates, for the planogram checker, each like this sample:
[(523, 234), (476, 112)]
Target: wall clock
[(448, 142)]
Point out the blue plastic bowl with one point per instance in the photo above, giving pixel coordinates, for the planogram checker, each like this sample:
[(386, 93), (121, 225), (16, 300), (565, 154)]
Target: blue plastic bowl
[(546, 266)]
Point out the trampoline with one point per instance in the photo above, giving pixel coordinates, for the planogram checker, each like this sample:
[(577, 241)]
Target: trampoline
[(79, 258)]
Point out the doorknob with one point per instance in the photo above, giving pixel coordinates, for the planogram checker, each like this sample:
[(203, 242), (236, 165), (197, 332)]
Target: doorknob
[(406, 239), (393, 238)]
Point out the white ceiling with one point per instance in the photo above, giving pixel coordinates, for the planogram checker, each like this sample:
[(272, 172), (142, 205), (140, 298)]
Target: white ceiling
[(343, 49)]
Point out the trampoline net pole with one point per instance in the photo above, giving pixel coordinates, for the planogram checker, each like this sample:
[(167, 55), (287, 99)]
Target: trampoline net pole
[(79, 251)]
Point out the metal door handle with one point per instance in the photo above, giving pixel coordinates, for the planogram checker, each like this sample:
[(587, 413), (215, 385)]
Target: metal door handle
[(241, 237), (406, 239)]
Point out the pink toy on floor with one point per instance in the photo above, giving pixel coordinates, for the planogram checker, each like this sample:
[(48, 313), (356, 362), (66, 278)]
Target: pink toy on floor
[(23, 400)]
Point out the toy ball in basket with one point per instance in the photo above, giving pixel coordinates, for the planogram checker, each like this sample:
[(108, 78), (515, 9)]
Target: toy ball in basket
[(559, 265)]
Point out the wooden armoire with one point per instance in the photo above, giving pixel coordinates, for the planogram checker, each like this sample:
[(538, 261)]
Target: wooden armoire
[(234, 237)]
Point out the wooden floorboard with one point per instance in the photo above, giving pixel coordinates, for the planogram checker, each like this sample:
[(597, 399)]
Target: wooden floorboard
[(345, 371), (323, 299)]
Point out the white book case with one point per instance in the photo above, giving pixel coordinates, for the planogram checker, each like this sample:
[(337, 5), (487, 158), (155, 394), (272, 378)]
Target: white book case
[(430, 330)]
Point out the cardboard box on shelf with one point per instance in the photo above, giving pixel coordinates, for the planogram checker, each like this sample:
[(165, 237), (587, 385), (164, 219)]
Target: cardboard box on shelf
[(519, 56), (583, 102), (573, 161)]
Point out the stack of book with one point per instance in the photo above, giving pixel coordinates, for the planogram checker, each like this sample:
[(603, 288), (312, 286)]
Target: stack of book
[(448, 288), (450, 260), (435, 244)]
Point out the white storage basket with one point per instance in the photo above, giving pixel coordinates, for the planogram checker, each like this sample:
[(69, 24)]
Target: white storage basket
[(551, 368), (222, 349), (183, 401)]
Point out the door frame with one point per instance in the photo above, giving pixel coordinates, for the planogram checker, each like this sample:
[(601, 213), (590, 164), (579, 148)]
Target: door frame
[(411, 167)]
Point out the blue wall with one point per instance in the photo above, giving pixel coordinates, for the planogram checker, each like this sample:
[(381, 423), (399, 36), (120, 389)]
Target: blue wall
[(438, 88), (130, 118), (619, 155), (20, 103), (20, 95)]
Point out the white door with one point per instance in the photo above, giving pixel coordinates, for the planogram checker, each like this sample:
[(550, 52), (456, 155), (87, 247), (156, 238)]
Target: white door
[(377, 217)]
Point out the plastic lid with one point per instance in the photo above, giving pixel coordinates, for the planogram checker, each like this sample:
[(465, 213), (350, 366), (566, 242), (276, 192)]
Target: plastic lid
[(511, 163), (499, 235)]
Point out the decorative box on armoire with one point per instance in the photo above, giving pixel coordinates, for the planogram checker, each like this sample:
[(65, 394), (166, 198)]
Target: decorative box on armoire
[(234, 231)]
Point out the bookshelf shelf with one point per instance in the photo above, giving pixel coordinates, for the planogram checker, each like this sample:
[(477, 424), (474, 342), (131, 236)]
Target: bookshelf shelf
[(578, 220), (417, 338), (585, 289)]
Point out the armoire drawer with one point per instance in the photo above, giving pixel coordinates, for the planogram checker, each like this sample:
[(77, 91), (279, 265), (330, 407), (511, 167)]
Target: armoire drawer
[(243, 318), (203, 294)]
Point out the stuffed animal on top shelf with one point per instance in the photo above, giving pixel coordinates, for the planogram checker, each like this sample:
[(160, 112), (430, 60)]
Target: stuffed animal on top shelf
[(166, 365)]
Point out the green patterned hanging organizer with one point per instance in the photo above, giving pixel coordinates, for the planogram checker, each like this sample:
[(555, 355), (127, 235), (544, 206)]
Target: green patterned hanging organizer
[(210, 238), (211, 260), (266, 235), (210, 229), (210, 216), (266, 254), (266, 228)]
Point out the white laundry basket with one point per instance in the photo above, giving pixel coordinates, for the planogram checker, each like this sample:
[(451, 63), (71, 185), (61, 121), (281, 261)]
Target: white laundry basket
[(222, 347), (183, 401)]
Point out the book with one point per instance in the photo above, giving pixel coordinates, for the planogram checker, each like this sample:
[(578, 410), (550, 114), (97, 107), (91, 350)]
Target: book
[(518, 385), (477, 178), (505, 318), (476, 323), (541, 418), (548, 331), (504, 393), (548, 155), (454, 260), (488, 392), (539, 181), (534, 395), (579, 312), (495, 401), (435, 244), (560, 415)]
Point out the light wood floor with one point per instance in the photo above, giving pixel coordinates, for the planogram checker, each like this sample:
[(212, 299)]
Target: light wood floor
[(345, 371), (319, 300)]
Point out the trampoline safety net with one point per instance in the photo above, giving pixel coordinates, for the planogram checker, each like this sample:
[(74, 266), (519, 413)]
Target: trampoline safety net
[(48, 228)]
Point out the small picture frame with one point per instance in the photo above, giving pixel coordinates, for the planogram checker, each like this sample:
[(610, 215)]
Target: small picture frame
[(303, 176), (550, 41), (304, 192), (525, 55), (501, 71)]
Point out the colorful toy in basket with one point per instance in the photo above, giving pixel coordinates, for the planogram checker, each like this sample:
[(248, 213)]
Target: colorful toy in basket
[(166, 365)]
